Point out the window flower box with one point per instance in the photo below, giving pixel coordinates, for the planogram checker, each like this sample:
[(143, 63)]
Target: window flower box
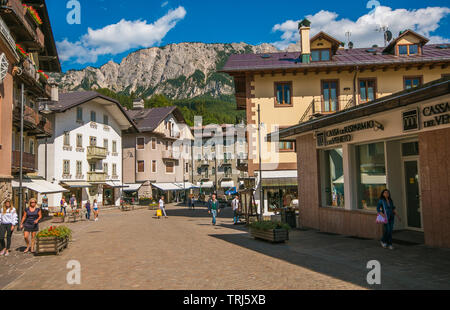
[(34, 14)]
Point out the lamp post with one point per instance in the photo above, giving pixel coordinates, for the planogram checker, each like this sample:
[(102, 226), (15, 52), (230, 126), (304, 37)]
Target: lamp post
[(21, 155), (261, 194)]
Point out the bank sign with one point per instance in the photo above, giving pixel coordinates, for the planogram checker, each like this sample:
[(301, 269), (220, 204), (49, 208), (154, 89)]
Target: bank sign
[(427, 117), (345, 134)]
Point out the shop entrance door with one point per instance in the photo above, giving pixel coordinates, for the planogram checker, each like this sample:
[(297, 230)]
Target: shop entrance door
[(412, 194)]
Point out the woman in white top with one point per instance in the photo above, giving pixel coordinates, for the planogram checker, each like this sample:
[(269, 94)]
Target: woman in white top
[(8, 221), (95, 210)]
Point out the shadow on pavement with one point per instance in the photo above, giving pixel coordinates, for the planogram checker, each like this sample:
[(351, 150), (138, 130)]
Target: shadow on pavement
[(346, 259)]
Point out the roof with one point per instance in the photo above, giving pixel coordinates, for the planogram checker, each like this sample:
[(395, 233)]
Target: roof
[(149, 119), (404, 98), (343, 58), (405, 33), (326, 37), (67, 101)]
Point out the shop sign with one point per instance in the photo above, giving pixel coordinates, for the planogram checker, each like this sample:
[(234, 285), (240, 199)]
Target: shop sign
[(436, 115), (344, 135), (410, 120)]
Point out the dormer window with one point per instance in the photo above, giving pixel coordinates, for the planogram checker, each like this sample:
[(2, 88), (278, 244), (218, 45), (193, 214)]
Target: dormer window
[(320, 55), (408, 49)]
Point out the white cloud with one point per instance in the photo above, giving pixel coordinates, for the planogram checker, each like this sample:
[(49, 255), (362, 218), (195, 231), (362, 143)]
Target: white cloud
[(424, 21), (118, 38), (164, 4)]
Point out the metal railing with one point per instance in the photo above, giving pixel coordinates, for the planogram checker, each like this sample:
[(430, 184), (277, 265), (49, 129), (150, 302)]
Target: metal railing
[(318, 107)]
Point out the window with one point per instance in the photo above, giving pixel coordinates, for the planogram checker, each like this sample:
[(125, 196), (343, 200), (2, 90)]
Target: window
[(283, 94), (332, 182), (153, 143), (105, 168), (93, 141), (367, 90), (141, 166), (114, 170), (330, 95), (140, 142), (66, 167), (410, 149), (79, 114), (105, 144), (79, 140), (114, 146), (371, 174), (408, 49), (105, 119), (286, 146), (320, 55), (412, 81), (213, 171), (79, 168), (31, 146), (93, 116), (167, 145), (170, 167), (187, 167), (66, 139), (154, 166), (92, 167)]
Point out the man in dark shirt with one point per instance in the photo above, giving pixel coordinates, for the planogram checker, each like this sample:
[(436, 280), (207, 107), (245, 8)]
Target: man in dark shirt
[(213, 208)]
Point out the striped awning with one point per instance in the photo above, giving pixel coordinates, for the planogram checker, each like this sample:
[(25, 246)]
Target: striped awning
[(280, 182), (79, 184)]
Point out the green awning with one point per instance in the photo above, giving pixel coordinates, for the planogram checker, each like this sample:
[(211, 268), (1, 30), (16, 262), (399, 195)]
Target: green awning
[(280, 182)]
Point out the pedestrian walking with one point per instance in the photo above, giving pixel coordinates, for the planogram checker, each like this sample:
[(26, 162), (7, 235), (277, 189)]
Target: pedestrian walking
[(213, 208), (95, 210), (73, 202), (236, 205), (30, 224), (162, 206), (191, 202), (88, 210), (63, 205), (44, 205), (386, 210), (8, 221)]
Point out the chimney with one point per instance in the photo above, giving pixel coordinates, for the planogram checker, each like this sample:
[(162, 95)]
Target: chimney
[(304, 28), (138, 104), (54, 93)]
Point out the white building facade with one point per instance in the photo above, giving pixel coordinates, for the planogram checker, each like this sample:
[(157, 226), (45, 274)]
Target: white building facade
[(84, 154)]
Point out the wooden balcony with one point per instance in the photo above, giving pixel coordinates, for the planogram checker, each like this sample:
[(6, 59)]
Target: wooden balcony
[(242, 164), (21, 23), (168, 155), (29, 162), (96, 153), (33, 122), (96, 177)]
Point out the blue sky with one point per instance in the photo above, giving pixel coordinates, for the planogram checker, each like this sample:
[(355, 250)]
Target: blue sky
[(110, 30)]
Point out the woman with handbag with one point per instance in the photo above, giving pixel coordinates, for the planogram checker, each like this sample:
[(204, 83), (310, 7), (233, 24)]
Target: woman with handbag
[(386, 216)]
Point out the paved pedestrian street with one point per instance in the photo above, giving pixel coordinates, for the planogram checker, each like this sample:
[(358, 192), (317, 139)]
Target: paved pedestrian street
[(133, 250)]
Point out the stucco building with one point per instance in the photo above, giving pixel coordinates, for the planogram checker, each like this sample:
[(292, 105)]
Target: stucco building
[(324, 78)]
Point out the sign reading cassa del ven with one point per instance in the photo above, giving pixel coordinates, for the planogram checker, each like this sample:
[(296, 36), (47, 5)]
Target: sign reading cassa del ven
[(342, 135), (436, 115)]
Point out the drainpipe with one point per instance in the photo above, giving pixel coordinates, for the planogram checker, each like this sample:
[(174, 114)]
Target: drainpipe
[(354, 85)]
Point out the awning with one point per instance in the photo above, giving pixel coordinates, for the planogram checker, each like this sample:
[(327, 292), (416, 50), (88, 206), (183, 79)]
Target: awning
[(280, 182), (186, 185), (80, 184), (167, 186), (115, 184), (227, 184), (39, 186), (205, 185), (131, 187)]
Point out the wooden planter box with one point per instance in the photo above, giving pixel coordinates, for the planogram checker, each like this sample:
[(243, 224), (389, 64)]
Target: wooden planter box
[(127, 208), (51, 245), (58, 220), (274, 235)]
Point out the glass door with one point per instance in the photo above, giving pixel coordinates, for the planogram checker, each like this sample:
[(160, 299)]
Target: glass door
[(412, 194), (330, 95)]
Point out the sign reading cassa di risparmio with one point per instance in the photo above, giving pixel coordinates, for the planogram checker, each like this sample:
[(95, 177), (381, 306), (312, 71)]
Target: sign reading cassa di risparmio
[(343, 135)]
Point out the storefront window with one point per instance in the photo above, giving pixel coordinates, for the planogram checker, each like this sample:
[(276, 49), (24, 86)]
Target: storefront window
[(371, 174), (281, 197), (333, 178)]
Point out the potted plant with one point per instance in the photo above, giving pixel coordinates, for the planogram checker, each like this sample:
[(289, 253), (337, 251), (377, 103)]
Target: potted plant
[(58, 217), (53, 240), (275, 232), (33, 14), (153, 205)]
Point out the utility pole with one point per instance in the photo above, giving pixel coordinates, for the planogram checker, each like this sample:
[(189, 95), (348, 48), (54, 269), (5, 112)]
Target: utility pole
[(21, 156), (261, 194)]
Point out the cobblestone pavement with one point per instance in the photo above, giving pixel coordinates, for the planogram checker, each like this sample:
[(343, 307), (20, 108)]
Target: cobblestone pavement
[(133, 250)]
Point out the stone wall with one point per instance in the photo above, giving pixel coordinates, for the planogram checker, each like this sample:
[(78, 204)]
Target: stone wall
[(5, 190)]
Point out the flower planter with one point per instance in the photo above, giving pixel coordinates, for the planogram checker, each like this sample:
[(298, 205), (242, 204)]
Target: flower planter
[(273, 235), (51, 245), (58, 220), (153, 207)]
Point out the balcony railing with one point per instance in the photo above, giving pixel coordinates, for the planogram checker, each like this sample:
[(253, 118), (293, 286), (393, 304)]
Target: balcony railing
[(96, 153), (167, 155), (29, 162), (25, 29), (319, 107), (96, 177)]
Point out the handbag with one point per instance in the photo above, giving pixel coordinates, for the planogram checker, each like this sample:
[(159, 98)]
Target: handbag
[(382, 219)]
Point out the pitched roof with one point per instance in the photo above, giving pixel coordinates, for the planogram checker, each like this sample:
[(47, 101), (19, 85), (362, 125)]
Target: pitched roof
[(343, 58), (67, 101), (148, 120), (326, 37), (404, 33)]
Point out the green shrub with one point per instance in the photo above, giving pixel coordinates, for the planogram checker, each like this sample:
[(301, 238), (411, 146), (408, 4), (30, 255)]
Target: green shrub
[(268, 225)]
